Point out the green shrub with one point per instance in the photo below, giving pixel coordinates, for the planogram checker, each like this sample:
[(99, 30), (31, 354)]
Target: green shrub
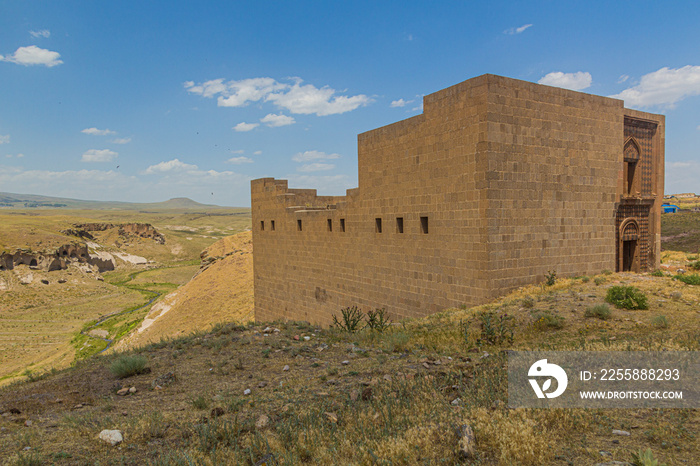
[(695, 265), (200, 402), (645, 458), (599, 311), (657, 273), (660, 322), (607, 272), (128, 365), (688, 279), (545, 319), (378, 320), (599, 281), (352, 318), (528, 302), (585, 279), (495, 328), (627, 297), (550, 277)]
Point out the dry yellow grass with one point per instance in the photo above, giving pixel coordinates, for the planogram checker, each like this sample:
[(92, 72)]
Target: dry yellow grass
[(222, 292)]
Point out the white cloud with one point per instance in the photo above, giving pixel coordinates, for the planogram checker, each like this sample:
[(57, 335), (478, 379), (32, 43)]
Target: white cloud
[(45, 33), (698, 127), (296, 98), (99, 155), (311, 155), (243, 126), (574, 81), (622, 78), (258, 152), (33, 55), (239, 160), (4, 139), (519, 30), (309, 99), (19, 156), (240, 151), (400, 103), (664, 87), (173, 165), (316, 167), (273, 121), (98, 132), (121, 141)]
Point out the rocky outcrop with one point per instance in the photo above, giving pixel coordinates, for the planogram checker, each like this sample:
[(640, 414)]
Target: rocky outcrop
[(58, 260), (144, 230)]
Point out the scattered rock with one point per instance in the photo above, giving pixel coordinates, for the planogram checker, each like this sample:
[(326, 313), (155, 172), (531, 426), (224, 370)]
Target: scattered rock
[(28, 423), (296, 337), (345, 363), (262, 421), (354, 395), (267, 330), (123, 391), (331, 417), (620, 432), (44, 281), (216, 412), (456, 402), (307, 338), (246, 391), (387, 377), (467, 441), (262, 385), (285, 368), (61, 280), (113, 437), (426, 365), (163, 380)]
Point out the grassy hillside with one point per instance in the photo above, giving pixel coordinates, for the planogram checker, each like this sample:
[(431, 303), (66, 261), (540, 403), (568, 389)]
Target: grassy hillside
[(681, 232), (333, 397), (40, 323), (220, 292)]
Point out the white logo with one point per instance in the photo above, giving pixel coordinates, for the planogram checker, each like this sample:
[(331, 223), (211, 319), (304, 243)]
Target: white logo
[(542, 368)]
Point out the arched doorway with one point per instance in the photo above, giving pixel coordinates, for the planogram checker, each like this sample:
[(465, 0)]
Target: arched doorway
[(629, 247)]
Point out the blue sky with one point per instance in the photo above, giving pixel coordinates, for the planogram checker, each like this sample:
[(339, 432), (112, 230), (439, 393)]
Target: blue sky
[(144, 101)]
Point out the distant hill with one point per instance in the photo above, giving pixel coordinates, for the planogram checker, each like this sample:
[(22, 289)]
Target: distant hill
[(29, 201)]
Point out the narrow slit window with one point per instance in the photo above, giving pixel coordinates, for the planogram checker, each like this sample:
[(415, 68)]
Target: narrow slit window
[(399, 224), (262, 224), (299, 225), (342, 225), (272, 225), (378, 225), (330, 224), (424, 225)]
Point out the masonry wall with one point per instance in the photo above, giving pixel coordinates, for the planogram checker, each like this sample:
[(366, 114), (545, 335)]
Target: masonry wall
[(554, 159), (512, 179)]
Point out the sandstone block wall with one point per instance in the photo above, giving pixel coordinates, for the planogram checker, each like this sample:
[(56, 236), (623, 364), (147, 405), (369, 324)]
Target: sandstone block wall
[(497, 182)]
